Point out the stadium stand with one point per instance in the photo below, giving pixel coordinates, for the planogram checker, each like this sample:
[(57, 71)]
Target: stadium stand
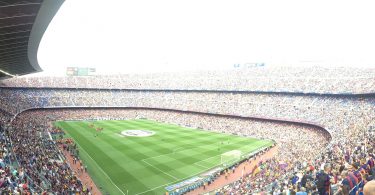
[(324, 130), (322, 119), (275, 79)]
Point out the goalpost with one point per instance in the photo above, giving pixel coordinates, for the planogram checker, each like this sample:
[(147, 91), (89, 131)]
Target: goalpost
[(230, 157)]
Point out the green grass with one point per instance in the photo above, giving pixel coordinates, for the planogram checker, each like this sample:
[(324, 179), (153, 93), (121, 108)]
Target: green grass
[(146, 165)]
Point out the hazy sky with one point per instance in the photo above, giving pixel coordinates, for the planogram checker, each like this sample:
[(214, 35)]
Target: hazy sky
[(168, 35)]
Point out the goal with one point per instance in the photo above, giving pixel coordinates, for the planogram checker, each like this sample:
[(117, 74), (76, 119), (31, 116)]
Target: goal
[(230, 157)]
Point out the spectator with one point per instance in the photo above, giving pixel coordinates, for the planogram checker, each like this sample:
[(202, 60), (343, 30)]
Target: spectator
[(324, 180), (369, 188)]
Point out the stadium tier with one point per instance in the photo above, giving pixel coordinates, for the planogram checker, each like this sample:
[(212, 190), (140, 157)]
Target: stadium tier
[(261, 79), (326, 127)]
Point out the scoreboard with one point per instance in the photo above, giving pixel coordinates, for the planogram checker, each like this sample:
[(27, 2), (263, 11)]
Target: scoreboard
[(78, 71)]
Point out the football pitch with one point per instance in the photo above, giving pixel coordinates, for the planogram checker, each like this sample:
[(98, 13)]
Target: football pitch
[(146, 165)]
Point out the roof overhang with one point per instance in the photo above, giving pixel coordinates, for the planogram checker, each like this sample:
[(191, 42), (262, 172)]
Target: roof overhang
[(22, 26)]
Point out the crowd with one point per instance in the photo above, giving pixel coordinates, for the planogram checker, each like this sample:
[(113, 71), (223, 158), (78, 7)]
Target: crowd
[(343, 146), (338, 114), (12, 179), (286, 135), (343, 168), (292, 79), (299, 155), (41, 167)]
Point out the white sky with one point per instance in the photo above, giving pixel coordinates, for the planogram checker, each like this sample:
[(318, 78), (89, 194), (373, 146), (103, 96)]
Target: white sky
[(122, 36)]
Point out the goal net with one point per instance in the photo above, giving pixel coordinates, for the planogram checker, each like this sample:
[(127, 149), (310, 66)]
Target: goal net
[(230, 157)]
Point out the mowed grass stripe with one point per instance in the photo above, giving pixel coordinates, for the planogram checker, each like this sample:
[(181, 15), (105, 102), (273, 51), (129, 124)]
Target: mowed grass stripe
[(139, 149), (122, 175), (160, 148), (189, 157), (140, 164), (189, 142), (165, 170), (173, 168), (112, 164), (138, 170)]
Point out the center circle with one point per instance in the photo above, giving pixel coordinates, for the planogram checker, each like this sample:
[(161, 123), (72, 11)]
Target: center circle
[(137, 133)]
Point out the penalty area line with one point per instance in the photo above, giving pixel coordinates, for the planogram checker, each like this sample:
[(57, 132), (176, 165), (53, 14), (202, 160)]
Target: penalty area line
[(192, 175), (161, 170)]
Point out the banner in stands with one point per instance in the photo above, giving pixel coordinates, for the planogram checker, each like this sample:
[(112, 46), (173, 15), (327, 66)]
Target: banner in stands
[(77, 71)]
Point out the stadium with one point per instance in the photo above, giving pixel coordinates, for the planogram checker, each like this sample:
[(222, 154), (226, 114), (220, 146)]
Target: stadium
[(251, 129)]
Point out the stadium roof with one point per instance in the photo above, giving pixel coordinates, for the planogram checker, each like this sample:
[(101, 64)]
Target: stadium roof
[(22, 25)]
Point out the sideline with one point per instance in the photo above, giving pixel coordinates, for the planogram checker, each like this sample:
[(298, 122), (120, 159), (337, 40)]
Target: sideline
[(100, 168), (242, 169)]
